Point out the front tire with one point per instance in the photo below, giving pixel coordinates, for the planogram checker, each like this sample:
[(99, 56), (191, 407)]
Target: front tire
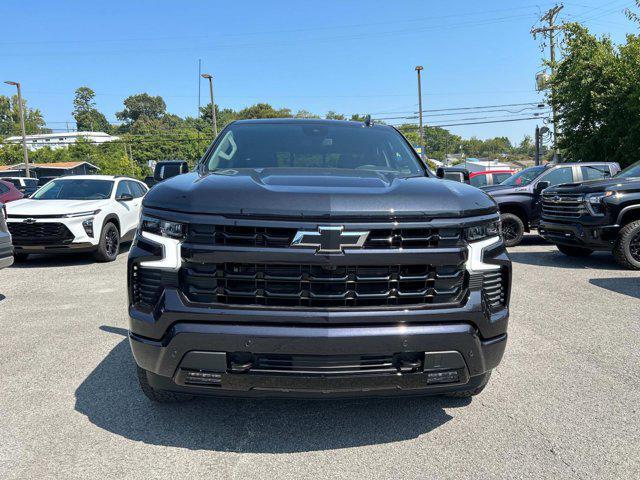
[(574, 251), (109, 245), (627, 247), (158, 396), (512, 229)]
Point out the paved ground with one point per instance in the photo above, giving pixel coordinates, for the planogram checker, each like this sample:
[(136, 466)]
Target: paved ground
[(563, 404)]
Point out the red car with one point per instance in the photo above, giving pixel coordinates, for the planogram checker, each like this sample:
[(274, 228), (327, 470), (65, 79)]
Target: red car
[(8, 192), (489, 177)]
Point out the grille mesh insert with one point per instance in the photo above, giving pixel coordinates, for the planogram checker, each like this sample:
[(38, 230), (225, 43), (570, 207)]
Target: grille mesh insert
[(276, 237), (39, 233), (321, 286)]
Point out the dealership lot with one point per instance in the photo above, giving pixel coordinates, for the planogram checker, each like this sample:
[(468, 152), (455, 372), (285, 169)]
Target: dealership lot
[(563, 403)]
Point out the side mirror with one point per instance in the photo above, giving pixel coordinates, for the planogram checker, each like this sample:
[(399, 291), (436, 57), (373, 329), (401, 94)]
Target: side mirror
[(125, 197), (440, 172), (540, 186)]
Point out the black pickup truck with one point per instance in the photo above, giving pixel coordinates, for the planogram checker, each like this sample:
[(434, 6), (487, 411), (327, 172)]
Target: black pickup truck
[(316, 258), (596, 215), (519, 197)]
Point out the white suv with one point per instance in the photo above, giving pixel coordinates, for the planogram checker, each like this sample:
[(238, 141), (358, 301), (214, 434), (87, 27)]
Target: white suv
[(77, 213)]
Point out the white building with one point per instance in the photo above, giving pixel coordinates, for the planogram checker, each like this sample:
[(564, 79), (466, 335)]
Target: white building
[(481, 165), (61, 140)]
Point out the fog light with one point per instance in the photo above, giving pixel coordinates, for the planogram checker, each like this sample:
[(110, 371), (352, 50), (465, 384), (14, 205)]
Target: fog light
[(202, 378), (448, 376), (88, 226)]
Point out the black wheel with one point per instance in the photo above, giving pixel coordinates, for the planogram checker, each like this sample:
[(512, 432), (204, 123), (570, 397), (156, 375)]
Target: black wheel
[(109, 244), (20, 257), (158, 396), (574, 251), (512, 229), (627, 247), (473, 392)]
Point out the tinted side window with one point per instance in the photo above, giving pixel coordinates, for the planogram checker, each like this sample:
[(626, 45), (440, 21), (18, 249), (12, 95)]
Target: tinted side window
[(136, 189), (3, 188), (122, 189), (559, 176), (595, 172), (31, 182), (500, 177), (479, 180)]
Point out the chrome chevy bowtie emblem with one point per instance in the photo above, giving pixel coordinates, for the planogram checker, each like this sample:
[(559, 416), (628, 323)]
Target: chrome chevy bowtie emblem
[(329, 239), (29, 220)]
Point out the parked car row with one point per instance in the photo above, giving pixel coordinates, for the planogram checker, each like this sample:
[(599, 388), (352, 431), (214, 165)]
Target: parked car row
[(580, 207)]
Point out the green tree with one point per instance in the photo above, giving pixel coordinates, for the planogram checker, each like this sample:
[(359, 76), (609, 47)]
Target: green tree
[(263, 110), (87, 117), (10, 117), (305, 114), (331, 115), (142, 107), (597, 96)]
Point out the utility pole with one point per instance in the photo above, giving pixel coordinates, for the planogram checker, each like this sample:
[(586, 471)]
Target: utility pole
[(549, 30), (199, 82), (422, 146), (24, 133), (537, 157), (213, 105)]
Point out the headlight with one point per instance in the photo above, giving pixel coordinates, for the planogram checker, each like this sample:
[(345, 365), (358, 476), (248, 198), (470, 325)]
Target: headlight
[(595, 204), (481, 232), (163, 228), (595, 198), (82, 214)]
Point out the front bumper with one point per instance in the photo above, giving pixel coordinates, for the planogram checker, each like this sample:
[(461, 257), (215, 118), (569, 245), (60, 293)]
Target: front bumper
[(594, 237), (209, 348), (78, 242)]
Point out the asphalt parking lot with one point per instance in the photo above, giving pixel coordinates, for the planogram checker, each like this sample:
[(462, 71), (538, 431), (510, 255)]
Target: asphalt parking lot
[(563, 403)]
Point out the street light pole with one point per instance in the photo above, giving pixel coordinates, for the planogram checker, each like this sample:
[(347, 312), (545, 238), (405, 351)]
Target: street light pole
[(213, 105), (422, 146), (24, 133)]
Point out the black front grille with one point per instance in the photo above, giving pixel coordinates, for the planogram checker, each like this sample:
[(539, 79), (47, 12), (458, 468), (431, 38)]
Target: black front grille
[(279, 237), (323, 286), (330, 365), (563, 206), (494, 289), (40, 233)]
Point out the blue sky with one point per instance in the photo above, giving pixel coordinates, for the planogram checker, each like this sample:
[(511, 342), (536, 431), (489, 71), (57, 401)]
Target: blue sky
[(349, 56)]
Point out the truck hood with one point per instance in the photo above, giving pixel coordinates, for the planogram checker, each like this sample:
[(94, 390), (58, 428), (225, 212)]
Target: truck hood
[(28, 206), (496, 190), (322, 193), (594, 186)]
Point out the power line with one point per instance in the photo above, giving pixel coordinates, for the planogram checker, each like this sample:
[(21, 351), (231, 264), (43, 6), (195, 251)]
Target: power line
[(288, 42), (271, 32), (414, 127), (457, 113)]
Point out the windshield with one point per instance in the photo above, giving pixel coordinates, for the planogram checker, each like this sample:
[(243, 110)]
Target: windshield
[(314, 145), (525, 177), (75, 190), (631, 171)]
